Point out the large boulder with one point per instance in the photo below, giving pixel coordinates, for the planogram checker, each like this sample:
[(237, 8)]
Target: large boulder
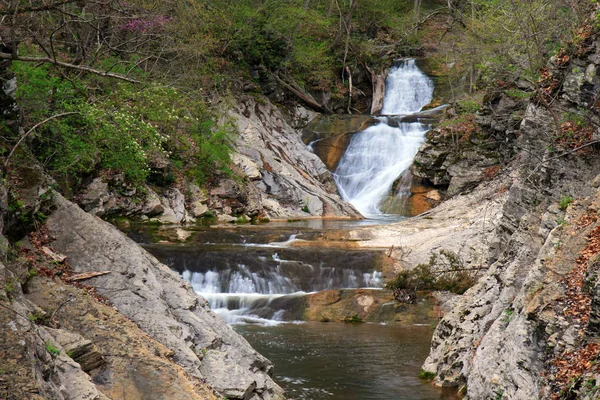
[(163, 305)]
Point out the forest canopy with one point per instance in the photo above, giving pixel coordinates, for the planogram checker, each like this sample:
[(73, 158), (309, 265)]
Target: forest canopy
[(133, 85)]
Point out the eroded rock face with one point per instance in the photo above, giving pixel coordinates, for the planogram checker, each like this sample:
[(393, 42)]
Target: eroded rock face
[(504, 333), (456, 163), (275, 176), (158, 301), (294, 182)]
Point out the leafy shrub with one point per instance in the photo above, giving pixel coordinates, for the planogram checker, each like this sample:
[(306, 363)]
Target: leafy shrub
[(124, 129), (564, 202), (444, 271)]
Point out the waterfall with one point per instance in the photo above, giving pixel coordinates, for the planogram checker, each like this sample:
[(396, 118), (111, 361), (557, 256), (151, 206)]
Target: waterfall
[(377, 156), (267, 283)]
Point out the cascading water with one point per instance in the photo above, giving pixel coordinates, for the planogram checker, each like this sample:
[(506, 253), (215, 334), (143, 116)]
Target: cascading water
[(377, 156), (250, 283)]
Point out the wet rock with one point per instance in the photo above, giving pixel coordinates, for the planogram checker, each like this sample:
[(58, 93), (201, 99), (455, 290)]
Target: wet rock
[(405, 296), (331, 134), (364, 305)]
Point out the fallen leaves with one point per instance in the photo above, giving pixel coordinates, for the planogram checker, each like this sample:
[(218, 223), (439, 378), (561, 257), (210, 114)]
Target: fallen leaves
[(571, 365), (588, 218), (574, 135)]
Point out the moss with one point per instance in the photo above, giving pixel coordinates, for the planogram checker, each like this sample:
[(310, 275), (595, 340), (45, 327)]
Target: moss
[(427, 375), (354, 319)]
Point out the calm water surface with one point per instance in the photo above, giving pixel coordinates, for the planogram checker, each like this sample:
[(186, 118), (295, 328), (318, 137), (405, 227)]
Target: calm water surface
[(346, 361)]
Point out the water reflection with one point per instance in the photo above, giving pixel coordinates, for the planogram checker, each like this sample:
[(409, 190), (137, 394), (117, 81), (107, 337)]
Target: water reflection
[(347, 361)]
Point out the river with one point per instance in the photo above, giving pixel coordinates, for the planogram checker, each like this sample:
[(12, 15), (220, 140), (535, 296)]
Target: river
[(346, 361), (260, 279)]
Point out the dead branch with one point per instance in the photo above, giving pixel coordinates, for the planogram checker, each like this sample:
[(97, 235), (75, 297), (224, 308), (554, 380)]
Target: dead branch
[(34, 128), (48, 60), (85, 275), (298, 91)]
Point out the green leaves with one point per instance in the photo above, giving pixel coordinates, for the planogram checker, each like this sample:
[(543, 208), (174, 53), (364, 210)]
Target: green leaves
[(122, 129)]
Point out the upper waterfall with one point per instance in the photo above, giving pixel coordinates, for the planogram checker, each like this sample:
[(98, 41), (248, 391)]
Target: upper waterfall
[(407, 89), (377, 156)]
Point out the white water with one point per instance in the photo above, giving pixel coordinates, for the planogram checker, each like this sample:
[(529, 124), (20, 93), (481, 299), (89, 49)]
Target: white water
[(242, 294), (377, 156)]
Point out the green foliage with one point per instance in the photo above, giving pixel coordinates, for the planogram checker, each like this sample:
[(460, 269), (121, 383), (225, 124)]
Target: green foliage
[(10, 289), (354, 319), (53, 350), (241, 220), (574, 118), (509, 40), (467, 106), (518, 94), (499, 394), (39, 318), (564, 202), (427, 375), (309, 41), (125, 130), (445, 271)]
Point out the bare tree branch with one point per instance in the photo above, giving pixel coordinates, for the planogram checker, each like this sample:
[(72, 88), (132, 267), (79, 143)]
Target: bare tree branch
[(7, 56), (47, 7), (32, 129)]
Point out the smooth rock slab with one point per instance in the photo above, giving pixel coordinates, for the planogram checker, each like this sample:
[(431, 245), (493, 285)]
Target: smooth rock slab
[(159, 302)]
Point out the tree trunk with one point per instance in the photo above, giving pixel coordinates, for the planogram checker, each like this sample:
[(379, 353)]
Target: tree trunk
[(417, 7), (378, 92)]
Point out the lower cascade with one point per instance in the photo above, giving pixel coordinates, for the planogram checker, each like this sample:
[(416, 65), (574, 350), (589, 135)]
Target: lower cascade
[(253, 283), (377, 156)]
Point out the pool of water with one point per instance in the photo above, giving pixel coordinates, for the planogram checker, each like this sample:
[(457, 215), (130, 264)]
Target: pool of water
[(346, 361), (312, 361)]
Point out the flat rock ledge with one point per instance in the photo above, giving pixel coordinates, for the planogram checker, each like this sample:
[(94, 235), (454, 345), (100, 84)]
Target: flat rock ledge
[(162, 304)]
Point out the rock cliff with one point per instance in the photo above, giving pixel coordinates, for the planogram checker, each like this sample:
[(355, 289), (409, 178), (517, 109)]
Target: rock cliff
[(160, 303), (275, 176), (137, 328), (528, 328)]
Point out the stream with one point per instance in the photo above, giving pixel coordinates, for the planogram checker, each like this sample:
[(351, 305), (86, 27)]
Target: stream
[(380, 154), (263, 279)]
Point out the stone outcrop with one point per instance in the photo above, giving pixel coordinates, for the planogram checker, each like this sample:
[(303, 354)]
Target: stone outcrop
[(294, 182), (528, 328), (96, 353), (275, 176), (157, 300), (465, 225), (462, 153), (502, 336), (373, 306)]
